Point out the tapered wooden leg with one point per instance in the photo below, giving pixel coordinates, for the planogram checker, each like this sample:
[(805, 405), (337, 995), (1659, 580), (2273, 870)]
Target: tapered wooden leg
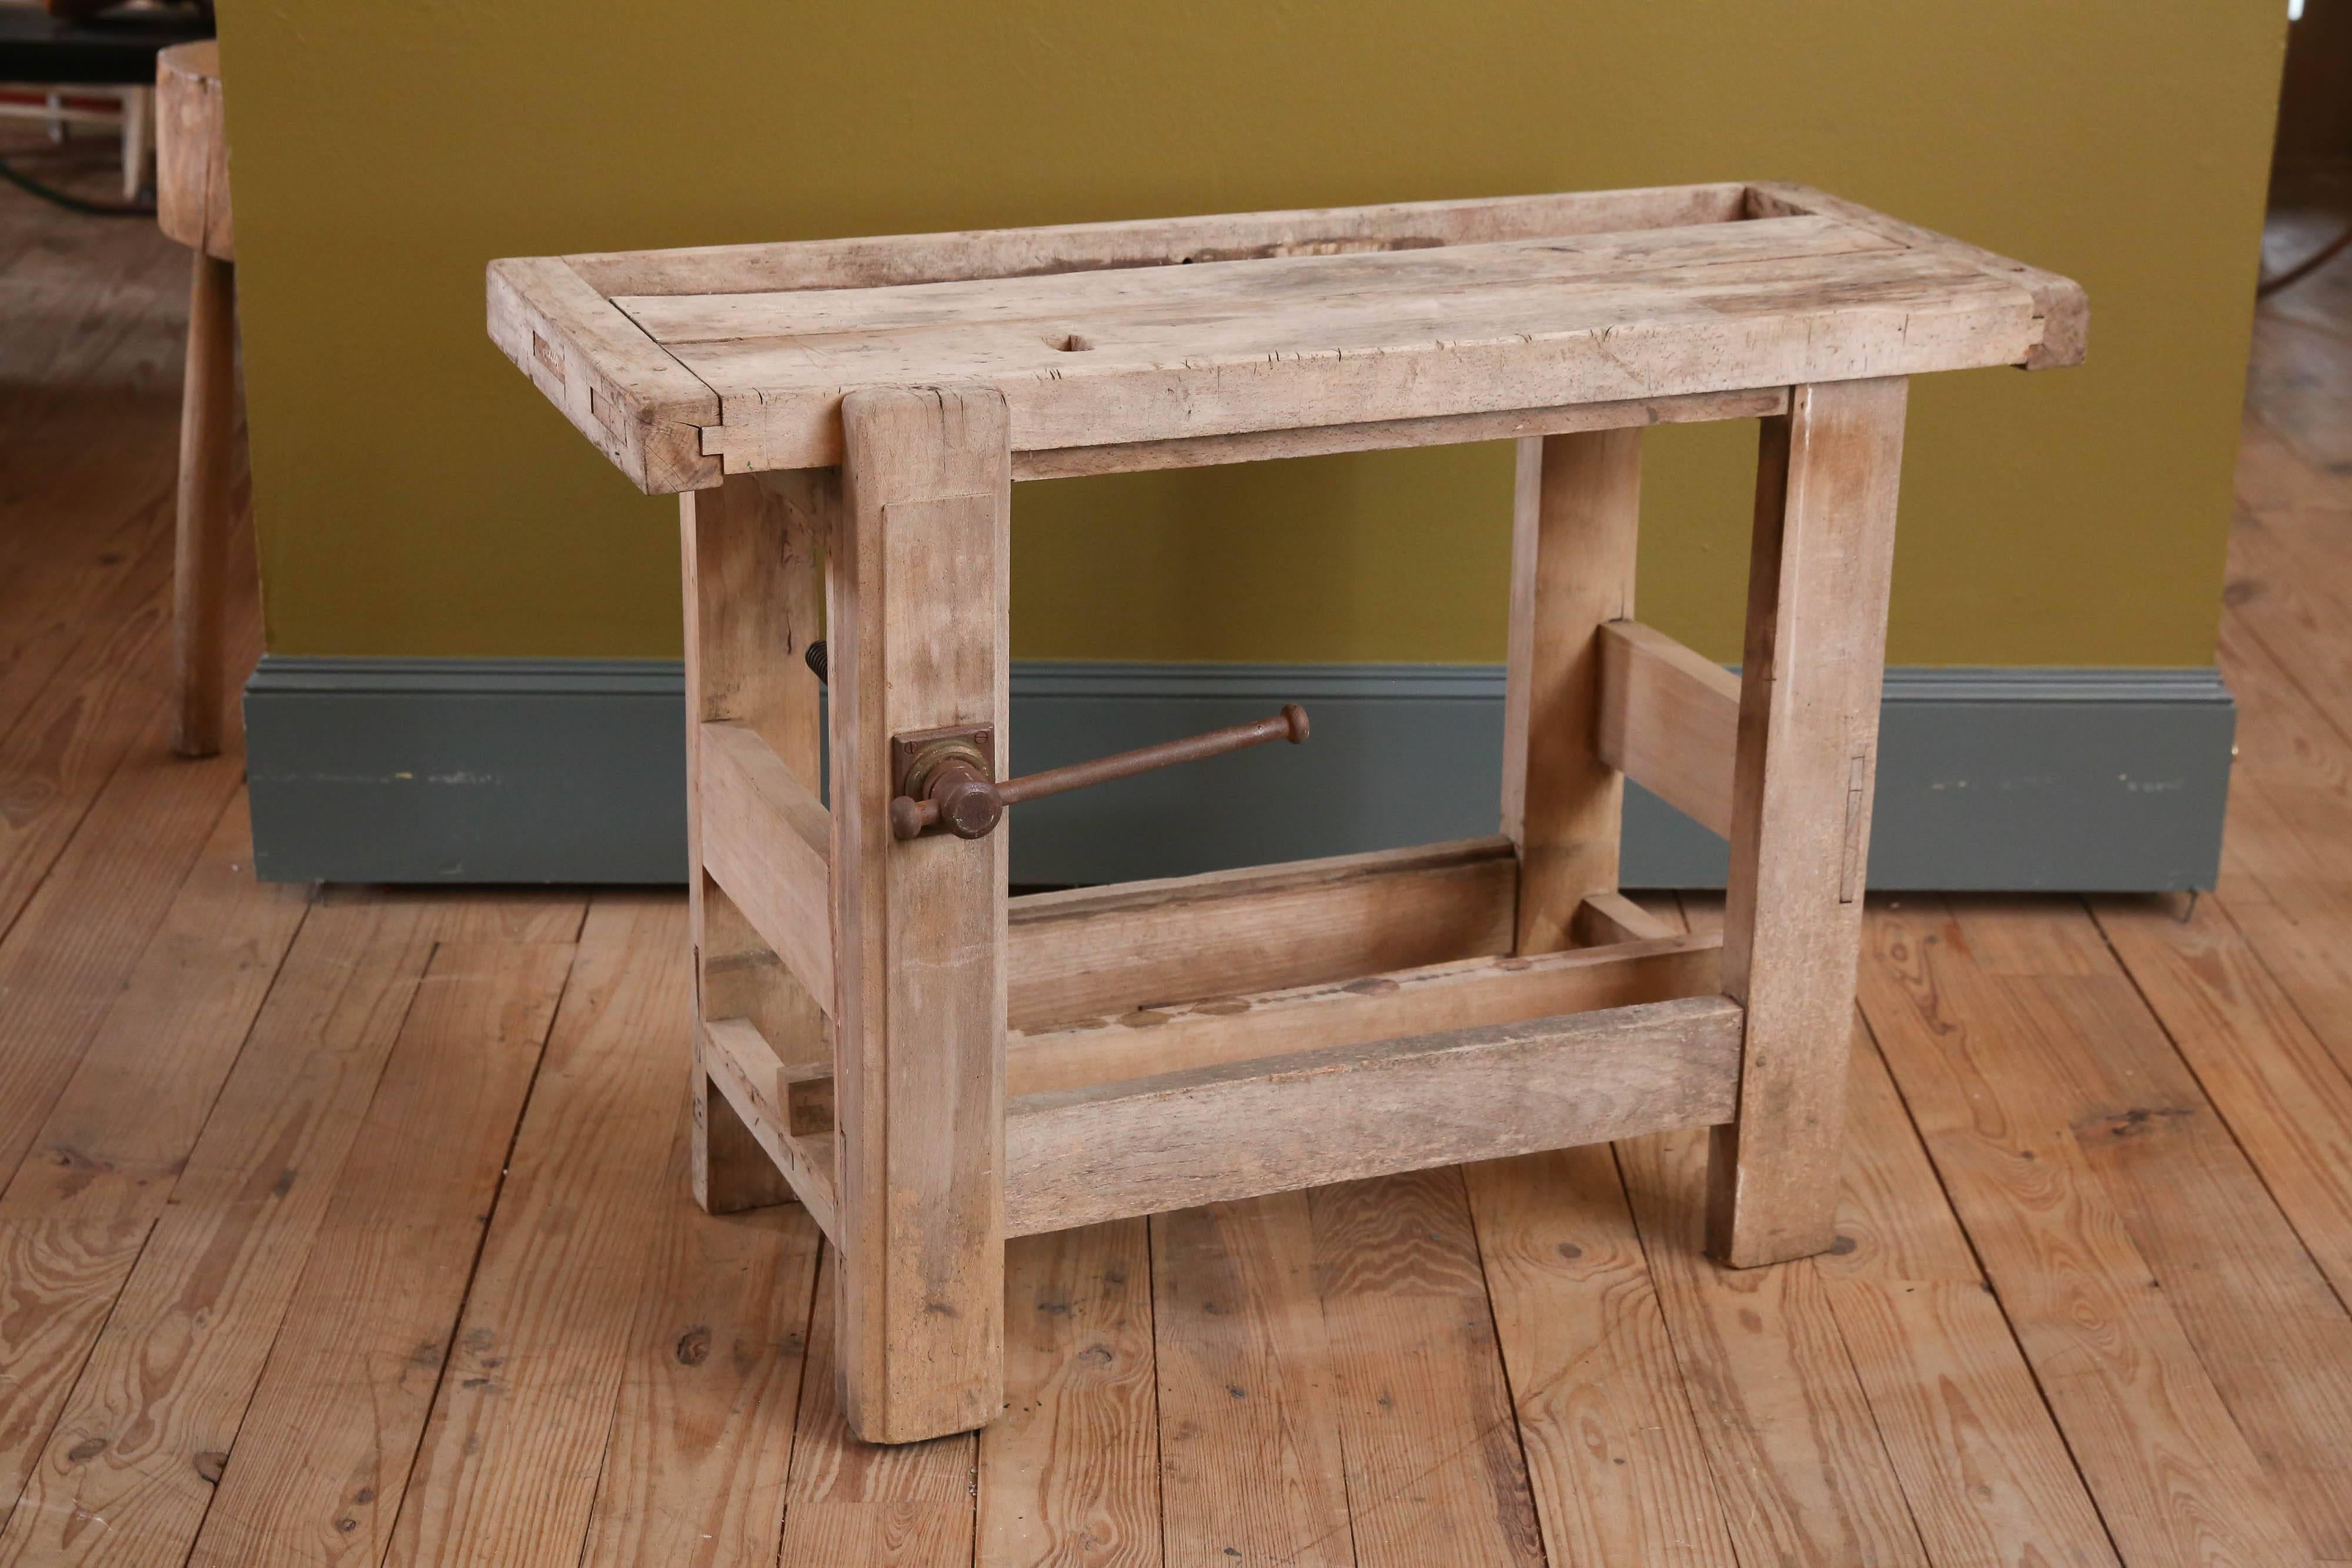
[(1816, 649), (200, 559), (751, 579), (1574, 527), (918, 600)]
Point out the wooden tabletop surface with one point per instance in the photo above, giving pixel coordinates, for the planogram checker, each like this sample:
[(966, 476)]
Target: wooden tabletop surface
[(686, 364)]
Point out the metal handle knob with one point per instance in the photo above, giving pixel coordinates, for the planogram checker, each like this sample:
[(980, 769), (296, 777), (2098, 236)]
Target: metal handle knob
[(944, 775)]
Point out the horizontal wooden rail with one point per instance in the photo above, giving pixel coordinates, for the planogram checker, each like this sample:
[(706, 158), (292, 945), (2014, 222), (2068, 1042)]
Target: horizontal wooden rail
[(1078, 1157), (769, 841), (1098, 950), (750, 1074), (1380, 435), (1669, 721), (1605, 919), (1464, 994)]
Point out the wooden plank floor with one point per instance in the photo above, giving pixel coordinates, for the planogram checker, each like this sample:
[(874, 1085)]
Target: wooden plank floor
[(352, 1226)]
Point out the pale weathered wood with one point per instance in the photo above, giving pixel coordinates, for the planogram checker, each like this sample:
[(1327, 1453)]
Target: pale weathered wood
[(1613, 1457), (1818, 576), (768, 840), (745, 1068), (2064, 309), (870, 262), (324, 1451), (2175, 1477), (507, 1469), (1113, 357), (1605, 919), (1424, 1407), (2287, 1101), (1256, 446), (1789, 1434), (1986, 1475), (1575, 524), (919, 596), (1251, 1465), (1071, 1471), (637, 404), (1669, 721), (748, 565), (702, 1432), (909, 1505), (1090, 951), (1464, 994), (1079, 1155)]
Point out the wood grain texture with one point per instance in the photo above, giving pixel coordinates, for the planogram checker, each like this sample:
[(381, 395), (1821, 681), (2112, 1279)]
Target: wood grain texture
[(117, 1135), (2287, 1099), (907, 1505), (323, 1452), (919, 588), (201, 555), (1154, 242), (1096, 336), (2275, 1339), (166, 1385), (768, 840), (1983, 1468), (1606, 918), (1092, 951), (2170, 1470), (1070, 1473), (1381, 435), (701, 1444), (1669, 720), (192, 194), (1291, 342), (747, 1074), (1464, 994), (1614, 1457), (59, 1280), (2064, 309), (637, 404), (1819, 569), (1434, 1471), (1790, 1436), (1210, 1135), (506, 1471), (1575, 525), (1251, 1468), (749, 563)]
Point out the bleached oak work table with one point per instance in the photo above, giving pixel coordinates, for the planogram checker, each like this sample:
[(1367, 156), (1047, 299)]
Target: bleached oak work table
[(932, 1067)]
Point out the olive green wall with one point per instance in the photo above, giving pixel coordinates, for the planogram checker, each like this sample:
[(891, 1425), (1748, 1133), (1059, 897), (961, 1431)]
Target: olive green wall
[(415, 497)]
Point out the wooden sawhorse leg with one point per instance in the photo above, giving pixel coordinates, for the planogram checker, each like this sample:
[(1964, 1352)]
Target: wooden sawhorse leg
[(752, 597), (199, 553), (1808, 751), (918, 584)]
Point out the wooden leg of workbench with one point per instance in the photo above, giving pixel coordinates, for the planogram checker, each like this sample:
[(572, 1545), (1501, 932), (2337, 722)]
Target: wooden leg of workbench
[(918, 585), (1574, 527), (200, 555), (752, 594), (1816, 648)]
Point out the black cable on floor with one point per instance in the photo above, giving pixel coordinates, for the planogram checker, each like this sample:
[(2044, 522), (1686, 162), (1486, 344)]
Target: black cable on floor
[(69, 201), (2307, 266)]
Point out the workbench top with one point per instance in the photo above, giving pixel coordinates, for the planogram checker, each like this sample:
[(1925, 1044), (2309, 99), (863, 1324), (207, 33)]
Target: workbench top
[(683, 365)]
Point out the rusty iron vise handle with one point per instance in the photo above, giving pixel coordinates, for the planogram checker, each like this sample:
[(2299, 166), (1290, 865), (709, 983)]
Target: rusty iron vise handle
[(944, 775)]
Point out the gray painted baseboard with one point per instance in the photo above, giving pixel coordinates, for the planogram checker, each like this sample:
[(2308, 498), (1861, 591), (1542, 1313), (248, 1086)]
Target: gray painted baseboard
[(572, 770)]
